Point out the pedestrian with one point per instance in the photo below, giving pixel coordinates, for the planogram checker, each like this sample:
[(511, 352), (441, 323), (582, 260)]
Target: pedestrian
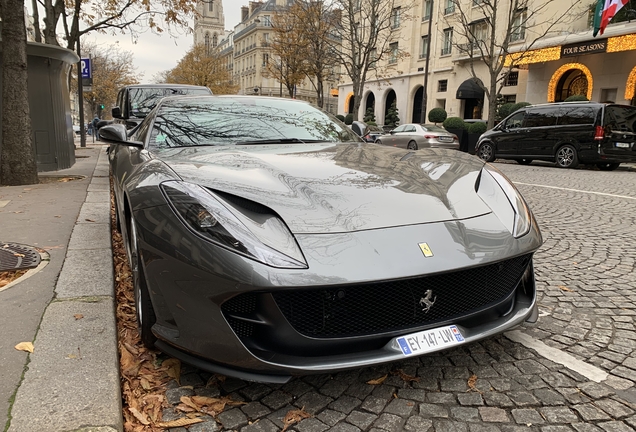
[(94, 124), (89, 128)]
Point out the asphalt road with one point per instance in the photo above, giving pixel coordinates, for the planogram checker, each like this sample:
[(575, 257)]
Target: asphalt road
[(574, 370)]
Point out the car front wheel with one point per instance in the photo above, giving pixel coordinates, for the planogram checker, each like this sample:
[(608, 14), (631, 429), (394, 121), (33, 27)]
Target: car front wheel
[(412, 145), (566, 157), (143, 307), (486, 152), (378, 141), (607, 166)]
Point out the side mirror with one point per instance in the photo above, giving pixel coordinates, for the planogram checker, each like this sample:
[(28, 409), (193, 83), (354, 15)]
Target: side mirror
[(117, 134), (116, 112), (359, 128), (392, 132)]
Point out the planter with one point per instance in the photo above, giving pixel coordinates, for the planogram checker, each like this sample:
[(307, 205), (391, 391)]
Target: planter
[(463, 138), (472, 142)]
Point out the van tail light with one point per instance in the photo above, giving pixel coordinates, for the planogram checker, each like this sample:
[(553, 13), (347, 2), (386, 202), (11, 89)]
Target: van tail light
[(599, 133)]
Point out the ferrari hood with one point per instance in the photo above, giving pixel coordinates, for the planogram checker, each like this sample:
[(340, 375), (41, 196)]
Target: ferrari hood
[(327, 188)]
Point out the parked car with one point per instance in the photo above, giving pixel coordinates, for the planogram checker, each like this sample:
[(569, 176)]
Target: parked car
[(373, 133), (414, 136), (134, 102), (567, 133), (266, 242)]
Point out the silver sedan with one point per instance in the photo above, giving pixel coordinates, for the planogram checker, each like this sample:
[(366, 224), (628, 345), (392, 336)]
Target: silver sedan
[(415, 136)]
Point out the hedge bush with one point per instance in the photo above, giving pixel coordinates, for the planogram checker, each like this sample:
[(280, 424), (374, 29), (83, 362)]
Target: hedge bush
[(477, 128), (576, 98), (340, 117), (518, 106), (505, 110), (437, 115), (348, 119), (454, 123)]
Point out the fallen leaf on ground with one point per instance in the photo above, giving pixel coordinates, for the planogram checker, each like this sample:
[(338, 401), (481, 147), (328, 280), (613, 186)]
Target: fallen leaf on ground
[(294, 416), (472, 381), (18, 254), (78, 316), (89, 220), (24, 346), (139, 416), (58, 216), (406, 377), (173, 368), (377, 381), (180, 422), (564, 288)]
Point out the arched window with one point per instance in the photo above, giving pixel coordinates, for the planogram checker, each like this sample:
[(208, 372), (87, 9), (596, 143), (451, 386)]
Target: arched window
[(207, 42), (215, 40)]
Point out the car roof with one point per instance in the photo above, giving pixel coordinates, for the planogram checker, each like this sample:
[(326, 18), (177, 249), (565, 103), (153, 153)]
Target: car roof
[(164, 85)]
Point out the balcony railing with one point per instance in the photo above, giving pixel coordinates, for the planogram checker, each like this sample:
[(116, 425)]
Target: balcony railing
[(449, 10)]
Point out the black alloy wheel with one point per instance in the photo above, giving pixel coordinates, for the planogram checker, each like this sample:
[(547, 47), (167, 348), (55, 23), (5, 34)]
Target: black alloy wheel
[(524, 161), (607, 166), (566, 157), (146, 317), (486, 152), (412, 145)]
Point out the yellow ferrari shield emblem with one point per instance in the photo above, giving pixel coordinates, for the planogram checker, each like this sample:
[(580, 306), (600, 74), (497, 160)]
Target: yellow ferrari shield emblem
[(426, 250)]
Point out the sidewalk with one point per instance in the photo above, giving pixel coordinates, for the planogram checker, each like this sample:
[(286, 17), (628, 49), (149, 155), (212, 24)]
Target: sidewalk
[(71, 380)]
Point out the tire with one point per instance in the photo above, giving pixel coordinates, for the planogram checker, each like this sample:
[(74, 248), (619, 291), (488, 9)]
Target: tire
[(378, 141), (117, 220), (412, 145), (566, 157), (486, 152), (146, 317), (524, 161), (607, 166)]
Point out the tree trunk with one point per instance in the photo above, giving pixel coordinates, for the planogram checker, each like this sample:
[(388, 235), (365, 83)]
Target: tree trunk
[(17, 160), (36, 21)]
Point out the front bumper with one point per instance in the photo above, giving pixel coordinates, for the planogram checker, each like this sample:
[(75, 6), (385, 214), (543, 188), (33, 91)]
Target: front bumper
[(191, 280)]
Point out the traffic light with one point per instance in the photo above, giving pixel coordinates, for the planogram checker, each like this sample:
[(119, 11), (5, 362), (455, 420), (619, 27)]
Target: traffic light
[(101, 106)]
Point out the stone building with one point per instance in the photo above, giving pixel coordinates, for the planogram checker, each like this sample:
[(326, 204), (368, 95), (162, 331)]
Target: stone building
[(566, 59)]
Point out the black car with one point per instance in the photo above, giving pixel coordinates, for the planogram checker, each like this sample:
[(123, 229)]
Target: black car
[(134, 102), (267, 240), (567, 133)]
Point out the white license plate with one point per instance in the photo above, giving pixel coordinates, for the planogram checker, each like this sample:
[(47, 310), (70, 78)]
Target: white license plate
[(445, 139), (430, 340), (622, 145)]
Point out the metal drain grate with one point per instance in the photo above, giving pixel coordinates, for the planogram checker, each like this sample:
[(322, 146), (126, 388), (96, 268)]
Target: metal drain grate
[(18, 257)]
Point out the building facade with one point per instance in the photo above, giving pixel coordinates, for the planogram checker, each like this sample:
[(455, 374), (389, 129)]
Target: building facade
[(550, 66), (246, 52), (209, 24)]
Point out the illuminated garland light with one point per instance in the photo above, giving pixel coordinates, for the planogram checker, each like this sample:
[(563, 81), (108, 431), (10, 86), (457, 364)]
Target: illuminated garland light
[(554, 81), (621, 43), (631, 85), (534, 56)]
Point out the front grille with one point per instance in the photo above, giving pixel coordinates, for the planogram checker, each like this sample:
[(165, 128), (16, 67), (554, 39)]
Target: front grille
[(388, 306)]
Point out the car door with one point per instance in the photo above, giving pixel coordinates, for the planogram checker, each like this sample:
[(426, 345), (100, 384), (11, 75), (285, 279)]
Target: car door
[(395, 137), (509, 135), (538, 135)]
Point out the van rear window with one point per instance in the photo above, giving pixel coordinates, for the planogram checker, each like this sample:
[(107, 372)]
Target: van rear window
[(577, 115), (620, 118)]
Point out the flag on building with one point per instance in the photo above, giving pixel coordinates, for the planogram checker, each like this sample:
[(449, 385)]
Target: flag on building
[(605, 11)]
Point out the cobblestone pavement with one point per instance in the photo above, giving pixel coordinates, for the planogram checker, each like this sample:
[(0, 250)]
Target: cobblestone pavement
[(587, 301)]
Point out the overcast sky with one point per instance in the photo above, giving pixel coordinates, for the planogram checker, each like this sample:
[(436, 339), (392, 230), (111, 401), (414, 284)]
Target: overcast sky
[(154, 53)]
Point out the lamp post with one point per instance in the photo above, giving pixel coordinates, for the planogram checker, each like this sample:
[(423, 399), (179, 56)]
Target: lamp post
[(428, 58)]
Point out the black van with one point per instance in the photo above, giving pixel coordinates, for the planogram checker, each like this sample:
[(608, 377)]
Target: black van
[(135, 101), (567, 133)]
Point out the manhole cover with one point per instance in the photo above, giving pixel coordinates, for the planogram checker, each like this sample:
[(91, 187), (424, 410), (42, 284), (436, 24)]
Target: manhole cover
[(16, 257)]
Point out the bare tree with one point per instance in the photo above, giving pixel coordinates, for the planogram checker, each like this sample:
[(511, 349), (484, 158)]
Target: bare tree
[(366, 33), (17, 156), (316, 23), (483, 31), (287, 62)]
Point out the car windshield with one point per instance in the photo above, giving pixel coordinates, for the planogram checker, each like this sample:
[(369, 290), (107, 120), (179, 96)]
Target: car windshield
[(143, 99), (433, 128), (186, 122)]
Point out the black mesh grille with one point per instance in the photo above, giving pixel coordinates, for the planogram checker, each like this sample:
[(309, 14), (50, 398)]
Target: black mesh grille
[(388, 306), (243, 329)]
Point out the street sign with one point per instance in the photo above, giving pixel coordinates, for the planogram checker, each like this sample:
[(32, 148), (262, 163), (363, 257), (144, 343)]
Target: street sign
[(87, 71)]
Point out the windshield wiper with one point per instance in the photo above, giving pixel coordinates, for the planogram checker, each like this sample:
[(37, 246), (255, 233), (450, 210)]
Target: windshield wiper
[(279, 141)]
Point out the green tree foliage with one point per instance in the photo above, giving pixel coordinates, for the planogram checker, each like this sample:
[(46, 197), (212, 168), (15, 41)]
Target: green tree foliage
[(477, 128), (348, 119), (576, 98), (437, 115), (369, 116), (392, 116), (518, 106), (454, 123), (198, 67), (504, 110)]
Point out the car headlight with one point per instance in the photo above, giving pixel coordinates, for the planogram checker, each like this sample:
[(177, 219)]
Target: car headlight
[(509, 206), (259, 235)]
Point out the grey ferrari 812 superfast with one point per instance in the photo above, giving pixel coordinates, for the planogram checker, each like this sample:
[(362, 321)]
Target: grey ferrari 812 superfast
[(267, 240)]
